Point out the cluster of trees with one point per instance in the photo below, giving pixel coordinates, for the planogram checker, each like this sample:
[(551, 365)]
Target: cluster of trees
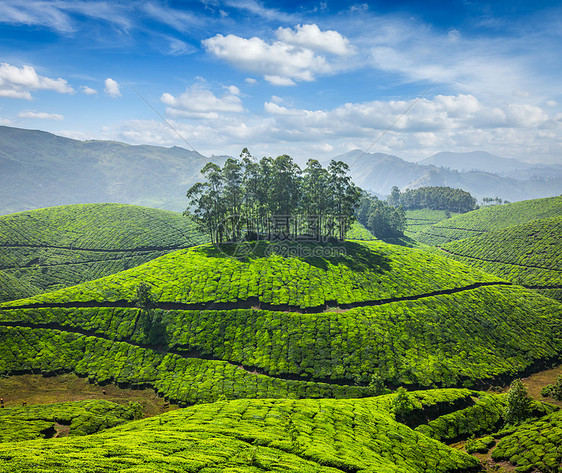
[(494, 201), (380, 218), (434, 198), (273, 199)]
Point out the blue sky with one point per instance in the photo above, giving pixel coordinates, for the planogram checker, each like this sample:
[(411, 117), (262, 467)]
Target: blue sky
[(309, 79)]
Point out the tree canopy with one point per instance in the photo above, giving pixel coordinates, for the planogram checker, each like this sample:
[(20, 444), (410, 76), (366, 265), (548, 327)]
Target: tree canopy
[(380, 218), (434, 198), (273, 199)]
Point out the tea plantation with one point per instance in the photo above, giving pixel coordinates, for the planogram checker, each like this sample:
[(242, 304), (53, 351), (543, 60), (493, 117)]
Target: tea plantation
[(63, 246), (251, 436), (81, 417), (374, 313), (528, 254), (420, 220), (349, 273), (491, 218)]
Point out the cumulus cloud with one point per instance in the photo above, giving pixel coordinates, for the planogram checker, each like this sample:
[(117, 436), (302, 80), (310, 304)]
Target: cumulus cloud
[(200, 102), (293, 58), (40, 115), (18, 82), (88, 90), (112, 88), (311, 37)]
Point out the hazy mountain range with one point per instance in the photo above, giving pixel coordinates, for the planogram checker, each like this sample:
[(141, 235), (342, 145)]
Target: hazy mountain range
[(39, 169)]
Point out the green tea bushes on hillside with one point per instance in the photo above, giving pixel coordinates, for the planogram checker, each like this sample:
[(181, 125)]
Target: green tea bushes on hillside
[(12, 288), (443, 340), (419, 220), (302, 436), (184, 380), (534, 446), (367, 271), (98, 226), (490, 218), (63, 246), (359, 232), (529, 254), (82, 417)]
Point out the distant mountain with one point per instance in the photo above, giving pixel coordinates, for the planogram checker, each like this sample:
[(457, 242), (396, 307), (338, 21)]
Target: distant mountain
[(39, 169), (379, 172), (475, 161)]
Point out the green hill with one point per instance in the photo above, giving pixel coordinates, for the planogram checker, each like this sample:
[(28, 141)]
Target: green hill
[(529, 254), (302, 436), (50, 248), (420, 220), (492, 218), (272, 326)]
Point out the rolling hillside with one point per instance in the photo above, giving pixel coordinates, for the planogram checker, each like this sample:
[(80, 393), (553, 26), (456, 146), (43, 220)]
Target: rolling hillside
[(272, 326), (420, 220), (491, 218), (50, 248), (301, 436), (529, 254), (40, 169)]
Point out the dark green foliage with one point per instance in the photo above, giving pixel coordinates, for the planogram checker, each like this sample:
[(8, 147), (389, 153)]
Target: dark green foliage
[(273, 199), (47, 249), (535, 445), (518, 403), (83, 418), (380, 218), (402, 405), (553, 390), (490, 218), (249, 436), (528, 254), (435, 198)]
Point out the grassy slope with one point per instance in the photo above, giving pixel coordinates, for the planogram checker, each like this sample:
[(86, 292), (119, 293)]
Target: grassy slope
[(443, 339), (63, 246), (359, 232), (252, 436), (490, 218), (528, 254)]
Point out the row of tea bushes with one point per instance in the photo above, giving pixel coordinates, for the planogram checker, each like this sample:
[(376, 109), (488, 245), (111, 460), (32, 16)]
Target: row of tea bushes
[(99, 226), (442, 340), (367, 271), (529, 254), (184, 380), (63, 246), (534, 446), (490, 218), (421, 219), (302, 436), (82, 417)]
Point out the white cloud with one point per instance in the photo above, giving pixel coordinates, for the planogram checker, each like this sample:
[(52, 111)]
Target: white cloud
[(18, 82), (200, 102), (551, 103), (311, 37), (256, 8), (250, 80), (280, 63), (178, 19), (40, 115), (88, 90), (112, 88), (57, 15)]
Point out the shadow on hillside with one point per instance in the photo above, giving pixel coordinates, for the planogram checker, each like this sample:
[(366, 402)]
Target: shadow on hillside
[(401, 241), (356, 256)]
